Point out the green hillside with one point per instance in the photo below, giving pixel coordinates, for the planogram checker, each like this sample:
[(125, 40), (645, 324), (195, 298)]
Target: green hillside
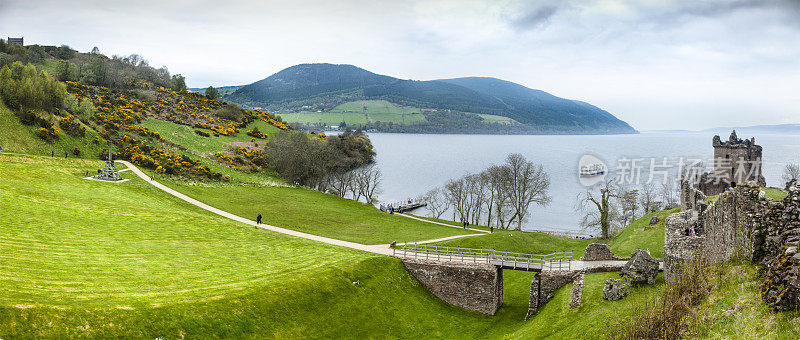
[(73, 265), (323, 87)]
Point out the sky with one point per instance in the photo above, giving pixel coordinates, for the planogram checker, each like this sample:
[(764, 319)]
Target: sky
[(654, 64)]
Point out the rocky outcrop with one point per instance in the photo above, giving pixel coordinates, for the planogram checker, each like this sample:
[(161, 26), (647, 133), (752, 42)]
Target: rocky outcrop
[(615, 289), (600, 252), (641, 268)]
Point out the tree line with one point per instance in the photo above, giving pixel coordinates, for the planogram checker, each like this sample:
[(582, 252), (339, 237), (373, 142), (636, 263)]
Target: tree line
[(613, 204), (94, 68), (342, 165), (501, 195)]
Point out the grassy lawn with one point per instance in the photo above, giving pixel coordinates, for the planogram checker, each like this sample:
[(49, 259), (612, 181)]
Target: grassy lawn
[(775, 193), (16, 137), (84, 258), (314, 212), (185, 135), (353, 113), (75, 242)]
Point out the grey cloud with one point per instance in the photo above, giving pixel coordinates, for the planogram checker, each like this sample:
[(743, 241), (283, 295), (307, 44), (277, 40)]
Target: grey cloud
[(534, 17)]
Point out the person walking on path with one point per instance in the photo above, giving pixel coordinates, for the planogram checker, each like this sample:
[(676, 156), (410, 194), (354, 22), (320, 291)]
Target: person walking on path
[(258, 219), (491, 230)]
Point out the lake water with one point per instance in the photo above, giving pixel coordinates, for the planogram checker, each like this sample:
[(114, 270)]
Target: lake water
[(412, 164)]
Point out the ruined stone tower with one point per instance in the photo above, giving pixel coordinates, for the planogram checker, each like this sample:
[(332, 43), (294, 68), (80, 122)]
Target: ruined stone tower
[(735, 161)]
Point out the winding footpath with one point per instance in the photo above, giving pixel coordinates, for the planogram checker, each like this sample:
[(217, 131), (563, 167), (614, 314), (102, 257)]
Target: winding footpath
[(382, 249)]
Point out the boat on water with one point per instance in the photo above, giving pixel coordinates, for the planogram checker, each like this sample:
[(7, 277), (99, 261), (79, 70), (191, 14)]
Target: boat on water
[(592, 170)]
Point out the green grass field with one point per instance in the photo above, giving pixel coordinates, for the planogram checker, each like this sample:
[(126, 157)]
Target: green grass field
[(184, 135), (94, 259), (352, 113), (314, 212)]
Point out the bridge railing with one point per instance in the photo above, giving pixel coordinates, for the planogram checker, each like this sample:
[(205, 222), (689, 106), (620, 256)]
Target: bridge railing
[(553, 261)]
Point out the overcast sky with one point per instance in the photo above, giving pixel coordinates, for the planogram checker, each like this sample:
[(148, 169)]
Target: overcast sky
[(654, 64)]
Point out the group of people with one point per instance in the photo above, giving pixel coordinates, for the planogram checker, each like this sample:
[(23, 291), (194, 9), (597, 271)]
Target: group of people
[(689, 231)]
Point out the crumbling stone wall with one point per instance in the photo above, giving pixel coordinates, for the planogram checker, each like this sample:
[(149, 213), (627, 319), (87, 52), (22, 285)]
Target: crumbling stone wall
[(476, 287), (577, 291), (679, 248), (744, 224), (601, 252), (551, 281)]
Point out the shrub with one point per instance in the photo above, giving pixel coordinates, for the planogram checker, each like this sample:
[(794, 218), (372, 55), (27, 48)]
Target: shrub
[(76, 151), (204, 134), (72, 127), (256, 133)]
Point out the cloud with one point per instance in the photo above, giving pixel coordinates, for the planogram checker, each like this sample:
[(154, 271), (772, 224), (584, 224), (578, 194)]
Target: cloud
[(534, 17)]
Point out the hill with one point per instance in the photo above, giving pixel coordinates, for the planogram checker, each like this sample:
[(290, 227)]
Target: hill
[(322, 87)]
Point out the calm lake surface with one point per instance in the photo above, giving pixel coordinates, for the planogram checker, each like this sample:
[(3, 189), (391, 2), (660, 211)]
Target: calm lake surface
[(412, 164)]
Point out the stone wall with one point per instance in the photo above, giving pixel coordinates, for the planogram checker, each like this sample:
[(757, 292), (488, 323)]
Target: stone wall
[(679, 248), (476, 287), (551, 281), (577, 292), (601, 252), (742, 223)]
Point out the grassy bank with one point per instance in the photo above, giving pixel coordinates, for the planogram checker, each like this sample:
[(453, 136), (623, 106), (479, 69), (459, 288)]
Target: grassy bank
[(185, 136), (19, 138), (315, 213)]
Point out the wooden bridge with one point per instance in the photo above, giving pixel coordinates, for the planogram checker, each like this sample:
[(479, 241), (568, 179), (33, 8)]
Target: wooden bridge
[(500, 259)]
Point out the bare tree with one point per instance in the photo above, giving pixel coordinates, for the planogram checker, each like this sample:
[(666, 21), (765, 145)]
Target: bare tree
[(369, 179), (648, 198), (791, 172), (437, 202), (599, 208), (457, 195), (670, 193), (498, 198), (529, 184), (477, 192), (628, 199)]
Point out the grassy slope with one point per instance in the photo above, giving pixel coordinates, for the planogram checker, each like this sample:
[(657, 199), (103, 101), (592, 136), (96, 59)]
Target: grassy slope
[(185, 135), (775, 193), (315, 213), (522, 242), (16, 137), (90, 248), (734, 309), (641, 235), (129, 244)]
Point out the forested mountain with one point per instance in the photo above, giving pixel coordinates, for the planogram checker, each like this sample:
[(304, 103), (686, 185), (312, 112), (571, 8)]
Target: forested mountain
[(323, 86)]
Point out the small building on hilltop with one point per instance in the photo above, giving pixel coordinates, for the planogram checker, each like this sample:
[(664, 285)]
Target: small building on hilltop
[(735, 161), (15, 41)]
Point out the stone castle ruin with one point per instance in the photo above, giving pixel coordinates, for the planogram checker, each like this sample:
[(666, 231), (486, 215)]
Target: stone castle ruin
[(741, 223), (735, 161)]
